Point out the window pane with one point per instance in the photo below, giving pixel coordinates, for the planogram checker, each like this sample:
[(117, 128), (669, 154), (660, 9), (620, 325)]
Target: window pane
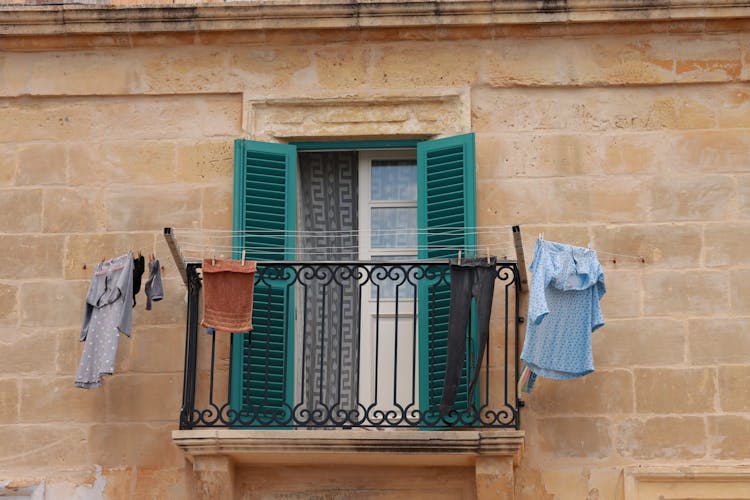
[(394, 227), (387, 279), (394, 180)]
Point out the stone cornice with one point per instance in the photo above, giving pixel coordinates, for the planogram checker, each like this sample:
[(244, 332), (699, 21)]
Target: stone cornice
[(351, 446), (85, 18)]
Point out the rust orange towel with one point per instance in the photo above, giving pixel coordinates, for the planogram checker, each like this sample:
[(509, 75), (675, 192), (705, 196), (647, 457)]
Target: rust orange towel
[(228, 295)]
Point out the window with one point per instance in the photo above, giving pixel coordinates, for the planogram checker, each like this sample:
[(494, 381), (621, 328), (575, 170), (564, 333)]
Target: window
[(397, 189)]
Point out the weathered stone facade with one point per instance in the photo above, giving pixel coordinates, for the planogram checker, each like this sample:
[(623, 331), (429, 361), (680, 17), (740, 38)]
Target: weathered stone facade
[(628, 130)]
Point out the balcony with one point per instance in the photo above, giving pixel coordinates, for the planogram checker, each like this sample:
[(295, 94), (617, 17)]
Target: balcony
[(351, 345), (342, 348)]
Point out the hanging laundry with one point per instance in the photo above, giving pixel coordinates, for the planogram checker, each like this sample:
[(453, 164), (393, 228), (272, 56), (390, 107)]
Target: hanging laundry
[(564, 294), (107, 313), (228, 295), (139, 266), (470, 278), (153, 288)]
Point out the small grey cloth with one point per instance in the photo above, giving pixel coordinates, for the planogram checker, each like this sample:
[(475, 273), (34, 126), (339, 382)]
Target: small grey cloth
[(154, 288), (108, 313)]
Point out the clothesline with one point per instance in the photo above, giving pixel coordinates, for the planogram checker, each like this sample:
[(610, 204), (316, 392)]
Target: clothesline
[(457, 230), (198, 237)]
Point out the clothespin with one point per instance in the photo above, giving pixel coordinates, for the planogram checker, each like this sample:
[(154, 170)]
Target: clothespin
[(487, 248), (541, 236), (213, 257), (459, 257), (243, 256)]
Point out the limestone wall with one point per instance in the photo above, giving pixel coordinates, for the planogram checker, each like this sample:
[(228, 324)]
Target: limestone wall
[(633, 137)]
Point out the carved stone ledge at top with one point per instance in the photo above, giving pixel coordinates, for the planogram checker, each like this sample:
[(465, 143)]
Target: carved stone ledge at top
[(114, 17)]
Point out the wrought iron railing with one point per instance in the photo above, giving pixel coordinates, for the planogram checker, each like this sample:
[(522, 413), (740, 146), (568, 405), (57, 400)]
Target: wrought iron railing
[(351, 344)]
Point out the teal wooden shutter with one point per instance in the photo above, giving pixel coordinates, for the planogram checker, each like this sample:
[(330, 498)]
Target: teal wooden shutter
[(264, 223), (446, 215)]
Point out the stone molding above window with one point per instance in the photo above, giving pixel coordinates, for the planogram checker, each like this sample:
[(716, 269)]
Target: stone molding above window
[(694, 483), (416, 114)]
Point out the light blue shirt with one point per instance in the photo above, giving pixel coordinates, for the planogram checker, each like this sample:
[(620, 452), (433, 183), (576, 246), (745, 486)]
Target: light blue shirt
[(566, 286)]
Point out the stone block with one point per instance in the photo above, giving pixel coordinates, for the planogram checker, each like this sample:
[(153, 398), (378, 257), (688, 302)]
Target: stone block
[(217, 207), (583, 437), (31, 256), (8, 304), (57, 399), (185, 69), (271, 68), (72, 210), (558, 61), (127, 162), (20, 210), (624, 297), (563, 155), (662, 245), (718, 341), (90, 249), (419, 64), (8, 164), (52, 303), (727, 435), (674, 112), (639, 342), (170, 310), (68, 351), (69, 73), (636, 153), (662, 438), (118, 481), (512, 201), (743, 196), (739, 285), (499, 156), (558, 110), (710, 151), (143, 397), (27, 351), (599, 392), (206, 162), (494, 478), (625, 200), (152, 208), (574, 234), (8, 401), (701, 59), (733, 384), (134, 444), (61, 445), (47, 120), (342, 67), (704, 293), (41, 164), (705, 198), (679, 390), (159, 349), (569, 200), (164, 117), (162, 483), (733, 111), (726, 244)]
